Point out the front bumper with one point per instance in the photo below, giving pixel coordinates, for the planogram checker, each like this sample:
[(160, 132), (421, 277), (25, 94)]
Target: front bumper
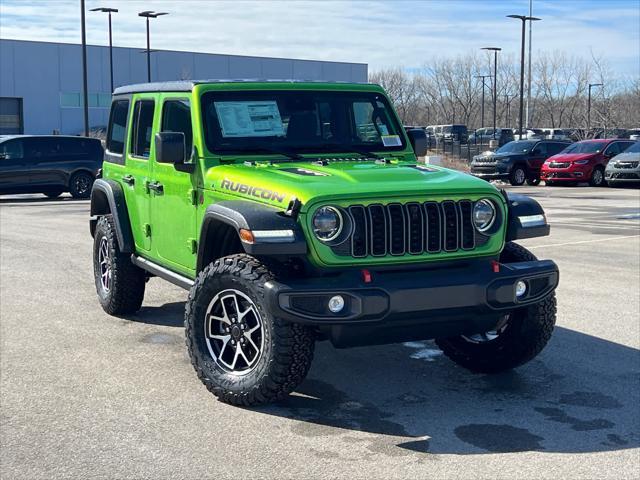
[(569, 174), (438, 301), (614, 175), (495, 171)]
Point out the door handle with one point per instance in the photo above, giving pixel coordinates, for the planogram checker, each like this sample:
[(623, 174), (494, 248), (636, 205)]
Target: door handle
[(156, 187), (128, 179)]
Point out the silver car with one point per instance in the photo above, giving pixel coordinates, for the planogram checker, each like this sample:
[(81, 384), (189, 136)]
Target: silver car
[(624, 167)]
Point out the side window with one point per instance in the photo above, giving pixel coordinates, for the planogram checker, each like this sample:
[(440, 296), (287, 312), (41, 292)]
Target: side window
[(541, 148), (613, 149), (141, 128), (176, 117), (117, 126), (553, 148), (11, 150)]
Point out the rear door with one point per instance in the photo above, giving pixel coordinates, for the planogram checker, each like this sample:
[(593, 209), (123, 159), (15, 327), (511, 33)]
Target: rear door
[(537, 156), (136, 178), (173, 201), (13, 171)]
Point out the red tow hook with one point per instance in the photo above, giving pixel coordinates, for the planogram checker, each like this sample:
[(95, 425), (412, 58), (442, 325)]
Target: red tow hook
[(495, 266), (366, 276)]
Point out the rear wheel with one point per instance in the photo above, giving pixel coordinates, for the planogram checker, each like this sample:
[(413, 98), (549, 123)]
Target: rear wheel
[(517, 337), (240, 351), (597, 177), (80, 185), (119, 283), (518, 175), (533, 181)]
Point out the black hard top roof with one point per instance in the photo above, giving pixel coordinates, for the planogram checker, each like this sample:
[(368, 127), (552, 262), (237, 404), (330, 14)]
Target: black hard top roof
[(187, 85)]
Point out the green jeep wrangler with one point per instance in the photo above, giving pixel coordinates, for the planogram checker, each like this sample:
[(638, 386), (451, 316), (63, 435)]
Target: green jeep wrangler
[(296, 212)]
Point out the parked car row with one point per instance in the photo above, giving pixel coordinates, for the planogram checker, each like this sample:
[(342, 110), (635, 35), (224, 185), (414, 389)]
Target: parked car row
[(561, 162), (51, 164)]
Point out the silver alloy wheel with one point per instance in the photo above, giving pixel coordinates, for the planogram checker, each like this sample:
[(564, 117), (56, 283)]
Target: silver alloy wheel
[(490, 335), (233, 331), (82, 184), (519, 176), (597, 176), (104, 259)]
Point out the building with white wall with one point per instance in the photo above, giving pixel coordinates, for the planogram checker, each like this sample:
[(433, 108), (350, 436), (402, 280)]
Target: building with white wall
[(41, 82)]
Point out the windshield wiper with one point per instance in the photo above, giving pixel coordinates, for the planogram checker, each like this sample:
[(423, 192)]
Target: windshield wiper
[(339, 148), (291, 156)]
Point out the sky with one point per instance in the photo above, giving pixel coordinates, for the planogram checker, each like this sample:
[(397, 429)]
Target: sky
[(383, 34)]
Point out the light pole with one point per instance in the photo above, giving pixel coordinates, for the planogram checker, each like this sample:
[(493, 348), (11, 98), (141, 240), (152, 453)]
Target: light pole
[(495, 51), (149, 14), (524, 19), (85, 94), (526, 115), (109, 11), (482, 108), (589, 106)]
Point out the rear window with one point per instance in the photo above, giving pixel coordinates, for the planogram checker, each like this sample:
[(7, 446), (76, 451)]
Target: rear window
[(117, 126)]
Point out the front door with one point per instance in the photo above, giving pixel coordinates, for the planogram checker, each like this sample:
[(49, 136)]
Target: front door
[(173, 199), (14, 176), (537, 157), (136, 180)]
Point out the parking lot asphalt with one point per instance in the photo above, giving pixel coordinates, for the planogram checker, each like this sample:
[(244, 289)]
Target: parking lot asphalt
[(86, 395)]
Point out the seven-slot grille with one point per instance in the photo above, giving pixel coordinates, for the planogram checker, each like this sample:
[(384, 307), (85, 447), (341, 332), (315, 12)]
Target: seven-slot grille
[(413, 228), (485, 159)]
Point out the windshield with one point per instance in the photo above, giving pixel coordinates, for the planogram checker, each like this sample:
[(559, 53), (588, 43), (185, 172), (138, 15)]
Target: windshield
[(299, 122), (516, 147), (635, 148), (585, 147)]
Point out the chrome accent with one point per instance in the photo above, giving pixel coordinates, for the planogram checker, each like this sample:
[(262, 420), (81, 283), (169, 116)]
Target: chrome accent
[(234, 334)]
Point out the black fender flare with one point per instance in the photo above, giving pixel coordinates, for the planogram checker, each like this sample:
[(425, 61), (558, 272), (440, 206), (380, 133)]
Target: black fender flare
[(107, 197), (240, 214), (519, 206)]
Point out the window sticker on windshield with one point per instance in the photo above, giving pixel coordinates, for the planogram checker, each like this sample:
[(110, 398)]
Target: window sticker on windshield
[(249, 119), (391, 141)]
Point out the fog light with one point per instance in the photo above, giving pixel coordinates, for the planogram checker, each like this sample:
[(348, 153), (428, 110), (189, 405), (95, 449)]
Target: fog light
[(521, 288), (336, 304)]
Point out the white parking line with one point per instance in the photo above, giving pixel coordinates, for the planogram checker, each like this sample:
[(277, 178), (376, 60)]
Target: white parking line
[(584, 241)]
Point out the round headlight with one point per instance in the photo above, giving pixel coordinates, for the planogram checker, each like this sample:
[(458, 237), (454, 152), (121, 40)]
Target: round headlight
[(484, 214), (327, 223)]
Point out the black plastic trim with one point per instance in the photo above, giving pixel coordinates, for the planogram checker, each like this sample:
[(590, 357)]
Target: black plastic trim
[(241, 214), (117, 207), (521, 206)]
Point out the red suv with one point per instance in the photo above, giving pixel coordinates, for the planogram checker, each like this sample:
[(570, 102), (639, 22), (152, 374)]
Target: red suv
[(582, 162)]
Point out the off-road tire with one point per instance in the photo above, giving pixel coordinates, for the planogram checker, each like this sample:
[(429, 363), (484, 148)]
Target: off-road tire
[(287, 347), (80, 185), (53, 193), (515, 178), (127, 281), (527, 332), (597, 179)]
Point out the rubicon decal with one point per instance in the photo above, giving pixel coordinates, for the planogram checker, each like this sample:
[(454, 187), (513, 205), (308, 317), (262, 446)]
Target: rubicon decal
[(254, 191)]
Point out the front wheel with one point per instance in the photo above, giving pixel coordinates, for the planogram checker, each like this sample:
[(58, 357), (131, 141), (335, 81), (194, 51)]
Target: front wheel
[(597, 178), (240, 351), (517, 337), (518, 175)]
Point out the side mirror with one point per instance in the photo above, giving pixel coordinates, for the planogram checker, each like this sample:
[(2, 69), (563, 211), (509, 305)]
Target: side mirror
[(418, 140), (170, 147)]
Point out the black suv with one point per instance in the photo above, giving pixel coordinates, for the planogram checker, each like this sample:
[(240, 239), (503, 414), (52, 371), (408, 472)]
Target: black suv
[(50, 164), (517, 161)]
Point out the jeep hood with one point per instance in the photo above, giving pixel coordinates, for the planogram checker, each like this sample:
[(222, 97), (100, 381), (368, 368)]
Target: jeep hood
[(309, 182)]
